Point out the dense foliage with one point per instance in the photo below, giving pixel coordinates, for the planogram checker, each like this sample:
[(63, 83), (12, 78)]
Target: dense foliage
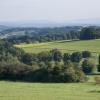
[(47, 66), (89, 33), (45, 37), (88, 66), (28, 35), (18, 35), (99, 64), (15, 64)]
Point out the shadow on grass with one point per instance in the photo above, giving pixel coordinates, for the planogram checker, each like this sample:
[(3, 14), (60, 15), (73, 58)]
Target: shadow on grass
[(94, 91), (64, 41)]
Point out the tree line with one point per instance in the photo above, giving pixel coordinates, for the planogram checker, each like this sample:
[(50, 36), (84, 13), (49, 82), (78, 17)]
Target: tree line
[(47, 66), (44, 35)]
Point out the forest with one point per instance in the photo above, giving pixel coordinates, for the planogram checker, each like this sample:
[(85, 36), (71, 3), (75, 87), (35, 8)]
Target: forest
[(28, 35), (46, 66)]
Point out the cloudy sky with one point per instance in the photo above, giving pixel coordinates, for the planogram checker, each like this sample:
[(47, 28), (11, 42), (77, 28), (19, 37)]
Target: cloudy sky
[(50, 10)]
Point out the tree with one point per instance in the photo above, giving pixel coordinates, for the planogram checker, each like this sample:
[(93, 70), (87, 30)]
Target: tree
[(45, 56), (72, 73), (99, 63), (42, 65), (28, 58), (86, 54), (14, 71), (76, 57), (87, 33), (56, 55), (88, 66), (66, 58), (56, 74)]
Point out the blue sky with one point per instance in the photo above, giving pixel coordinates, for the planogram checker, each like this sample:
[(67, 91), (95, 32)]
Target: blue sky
[(50, 10)]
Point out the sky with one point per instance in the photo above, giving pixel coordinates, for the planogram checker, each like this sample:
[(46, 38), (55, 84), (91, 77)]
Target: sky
[(50, 10)]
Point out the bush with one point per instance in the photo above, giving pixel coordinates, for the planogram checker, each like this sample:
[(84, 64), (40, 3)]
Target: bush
[(73, 75), (66, 58), (86, 54), (76, 57), (99, 64), (88, 66), (97, 79), (56, 55), (14, 71)]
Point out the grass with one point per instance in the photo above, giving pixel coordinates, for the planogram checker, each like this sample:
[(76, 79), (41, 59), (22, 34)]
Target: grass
[(90, 45), (64, 46), (91, 78), (39, 91), (67, 91)]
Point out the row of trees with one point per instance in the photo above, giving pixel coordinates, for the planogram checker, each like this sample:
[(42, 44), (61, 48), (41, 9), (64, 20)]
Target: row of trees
[(89, 33), (47, 66), (57, 73), (56, 56), (43, 35)]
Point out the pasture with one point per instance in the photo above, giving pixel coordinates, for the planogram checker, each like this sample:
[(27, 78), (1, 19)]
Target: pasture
[(39, 91), (61, 91), (65, 46)]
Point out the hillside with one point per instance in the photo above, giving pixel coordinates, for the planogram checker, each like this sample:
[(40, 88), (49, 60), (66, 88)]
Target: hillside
[(30, 31), (2, 28), (65, 46), (91, 45)]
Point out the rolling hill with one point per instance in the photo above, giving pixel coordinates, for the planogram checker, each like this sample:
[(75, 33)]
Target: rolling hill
[(30, 31), (65, 46)]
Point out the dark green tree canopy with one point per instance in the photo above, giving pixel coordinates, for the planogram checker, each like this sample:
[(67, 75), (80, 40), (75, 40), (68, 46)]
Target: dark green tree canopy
[(76, 57)]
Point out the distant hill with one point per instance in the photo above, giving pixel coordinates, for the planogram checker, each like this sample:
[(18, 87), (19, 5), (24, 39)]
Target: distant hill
[(29, 31), (46, 23), (31, 28), (35, 23), (2, 27)]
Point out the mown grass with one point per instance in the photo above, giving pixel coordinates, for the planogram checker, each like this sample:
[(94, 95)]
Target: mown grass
[(39, 91)]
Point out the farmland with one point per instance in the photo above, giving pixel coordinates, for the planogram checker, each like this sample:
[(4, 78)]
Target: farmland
[(64, 46), (91, 45), (54, 91), (49, 50), (39, 91)]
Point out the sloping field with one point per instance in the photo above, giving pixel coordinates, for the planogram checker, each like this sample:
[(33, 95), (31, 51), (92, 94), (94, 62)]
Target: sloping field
[(90, 45), (65, 46)]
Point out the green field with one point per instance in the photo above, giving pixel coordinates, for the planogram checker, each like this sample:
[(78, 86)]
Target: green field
[(44, 91), (39, 91), (64, 46)]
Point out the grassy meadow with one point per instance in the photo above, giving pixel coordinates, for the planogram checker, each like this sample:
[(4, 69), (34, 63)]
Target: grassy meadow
[(46, 91), (39, 91), (65, 46)]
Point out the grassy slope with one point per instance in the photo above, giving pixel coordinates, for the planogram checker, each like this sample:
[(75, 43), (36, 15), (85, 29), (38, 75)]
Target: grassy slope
[(65, 46), (33, 91), (91, 45), (30, 91)]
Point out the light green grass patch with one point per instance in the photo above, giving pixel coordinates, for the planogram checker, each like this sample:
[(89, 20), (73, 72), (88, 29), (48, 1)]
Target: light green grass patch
[(39, 91), (90, 45), (65, 46)]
